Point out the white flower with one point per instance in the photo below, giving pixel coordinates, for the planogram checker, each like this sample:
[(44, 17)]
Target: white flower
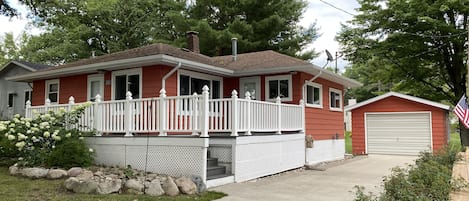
[(80, 138), (56, 132), (11, 137), (43, 125), (46, 134), (56, 137), (34, 138), (2, 127), (21, 136), (53, 146), (12, 125), (20, 145), (12, 130), (68, 135), (91, 150), (17, 116)]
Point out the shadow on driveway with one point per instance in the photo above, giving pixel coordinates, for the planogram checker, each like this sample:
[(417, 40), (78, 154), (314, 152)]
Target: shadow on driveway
[(335, 184)]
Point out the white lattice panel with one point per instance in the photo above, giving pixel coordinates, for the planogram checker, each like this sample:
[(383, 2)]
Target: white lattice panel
[(223, 153), (109, 155)]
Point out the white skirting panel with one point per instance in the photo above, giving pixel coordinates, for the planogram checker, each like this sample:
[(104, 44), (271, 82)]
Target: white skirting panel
[(257, 156), (174, 156), (325, 150)]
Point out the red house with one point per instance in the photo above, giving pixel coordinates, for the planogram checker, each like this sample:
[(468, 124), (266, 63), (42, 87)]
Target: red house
[(273, 80), (395, 123)]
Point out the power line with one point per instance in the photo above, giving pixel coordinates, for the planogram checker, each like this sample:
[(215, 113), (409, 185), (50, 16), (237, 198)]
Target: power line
[(334, 6)]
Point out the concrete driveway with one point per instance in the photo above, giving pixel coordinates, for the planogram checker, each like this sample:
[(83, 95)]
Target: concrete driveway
[(336, 183)]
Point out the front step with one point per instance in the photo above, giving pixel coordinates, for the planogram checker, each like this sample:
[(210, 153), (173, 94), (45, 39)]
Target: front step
[(212, 162), (215, 170)]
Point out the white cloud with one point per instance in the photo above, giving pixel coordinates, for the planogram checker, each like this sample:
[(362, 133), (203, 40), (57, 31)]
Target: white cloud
[(17, 25), (328, 21)]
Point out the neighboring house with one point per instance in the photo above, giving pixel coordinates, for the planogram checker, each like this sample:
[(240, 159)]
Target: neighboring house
[(266, 75), (13, 95)]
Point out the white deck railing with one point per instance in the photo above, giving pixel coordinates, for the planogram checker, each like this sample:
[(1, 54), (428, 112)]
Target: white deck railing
[(195, 114)]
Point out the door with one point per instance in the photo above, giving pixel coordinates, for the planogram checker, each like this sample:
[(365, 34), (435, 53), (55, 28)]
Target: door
[(398, 133), (95, 86), (251, 85)]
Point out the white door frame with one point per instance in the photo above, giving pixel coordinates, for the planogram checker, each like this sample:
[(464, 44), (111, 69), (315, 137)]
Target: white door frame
[(417, 112), (95, 77)]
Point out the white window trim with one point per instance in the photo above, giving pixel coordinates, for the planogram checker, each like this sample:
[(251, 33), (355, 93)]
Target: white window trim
[(95, 77), (339, 109), (197, 75), (313, 84), (279, 77), (135, 71), (30, 94), (256, 79), (13, 101), (48, 83)]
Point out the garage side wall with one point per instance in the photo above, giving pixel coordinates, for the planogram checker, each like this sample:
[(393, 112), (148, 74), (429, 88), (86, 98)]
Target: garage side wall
[(395, 104)]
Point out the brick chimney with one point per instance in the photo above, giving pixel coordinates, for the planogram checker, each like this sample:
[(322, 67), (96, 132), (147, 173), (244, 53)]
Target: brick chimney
[(193, 41)]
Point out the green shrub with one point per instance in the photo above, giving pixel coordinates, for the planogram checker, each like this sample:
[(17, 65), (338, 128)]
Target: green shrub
[(36, 139), (70, 153), (430, 178)]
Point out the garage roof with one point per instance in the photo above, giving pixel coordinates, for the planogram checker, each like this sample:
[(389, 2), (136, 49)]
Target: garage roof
[(403, 96)]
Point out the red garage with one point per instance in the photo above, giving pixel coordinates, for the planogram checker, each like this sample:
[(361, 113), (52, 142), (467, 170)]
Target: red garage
[(395, 123)]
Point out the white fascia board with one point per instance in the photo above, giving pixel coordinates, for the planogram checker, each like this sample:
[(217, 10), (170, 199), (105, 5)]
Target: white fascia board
[(312, 69), (403, 96), (117, 65)]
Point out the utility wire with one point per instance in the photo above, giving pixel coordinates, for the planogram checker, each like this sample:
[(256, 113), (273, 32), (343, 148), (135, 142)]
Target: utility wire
[(334, 6)]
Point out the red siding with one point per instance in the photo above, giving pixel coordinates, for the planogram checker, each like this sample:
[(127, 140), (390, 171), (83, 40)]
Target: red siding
[(39, 89), (230, 84), (396, 104), (75, 86), (151, 81)]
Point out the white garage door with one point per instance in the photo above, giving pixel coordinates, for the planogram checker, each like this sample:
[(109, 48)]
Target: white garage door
[(398, 133)]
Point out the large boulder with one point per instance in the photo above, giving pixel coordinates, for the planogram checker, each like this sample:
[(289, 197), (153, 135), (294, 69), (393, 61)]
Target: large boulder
[(14, 170), (86, 187), (153, 188), (71, 182), (186, 185), (34, 173), (169, 187), (108, 187), (56, 174), (134, 186), (85, 175), (74, 171)]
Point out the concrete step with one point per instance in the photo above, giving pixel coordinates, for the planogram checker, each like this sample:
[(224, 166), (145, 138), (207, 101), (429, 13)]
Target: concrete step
[(212, 162), (217, 170), (218, 176)]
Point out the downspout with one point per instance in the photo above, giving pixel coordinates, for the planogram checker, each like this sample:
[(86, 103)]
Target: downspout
[(306, 82), (163, 81)]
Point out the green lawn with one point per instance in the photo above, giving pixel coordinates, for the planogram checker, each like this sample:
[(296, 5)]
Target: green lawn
[(17, 188), (455, 141), (348, 142)]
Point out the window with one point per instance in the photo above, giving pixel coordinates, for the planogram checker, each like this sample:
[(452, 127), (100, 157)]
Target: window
[(251, 85), (278, 86), (124, 81), (52, 90), (335, 97), (28, 96), (95, 86), (314, 95), (191, 82), (11, 99)]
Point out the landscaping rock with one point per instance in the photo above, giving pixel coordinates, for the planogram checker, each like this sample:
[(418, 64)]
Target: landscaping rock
[(153, 188), (98, 173), (74, 171), (169, 187), (71, 182), (108, 187), (14, 170), (186, 185), (201, 187), (34, 173), (85, 175), (56, 174), (319, 167), (135, 185), (86, 187)]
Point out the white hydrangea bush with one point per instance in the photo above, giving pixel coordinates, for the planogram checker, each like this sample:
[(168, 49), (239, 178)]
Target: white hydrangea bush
[(35, 138)]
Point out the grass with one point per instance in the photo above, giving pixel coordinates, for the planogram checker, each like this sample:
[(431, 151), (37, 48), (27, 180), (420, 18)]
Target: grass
[(17, 189), (455, 141), (348, 142)]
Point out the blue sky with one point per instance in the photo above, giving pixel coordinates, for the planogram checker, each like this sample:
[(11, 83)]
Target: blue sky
[(328, 21)]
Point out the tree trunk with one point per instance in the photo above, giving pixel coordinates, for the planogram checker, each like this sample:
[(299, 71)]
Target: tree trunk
[(464, 134)]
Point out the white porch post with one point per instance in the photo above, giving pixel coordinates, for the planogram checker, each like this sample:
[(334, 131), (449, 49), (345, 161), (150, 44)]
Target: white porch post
[(303, 116), (97, 116), (28, 109), (248, 113), (195, 114), (205, 112), (71, 102), (128, 114), (46, 105), (234, 113), (163, 115), (279, 115)]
